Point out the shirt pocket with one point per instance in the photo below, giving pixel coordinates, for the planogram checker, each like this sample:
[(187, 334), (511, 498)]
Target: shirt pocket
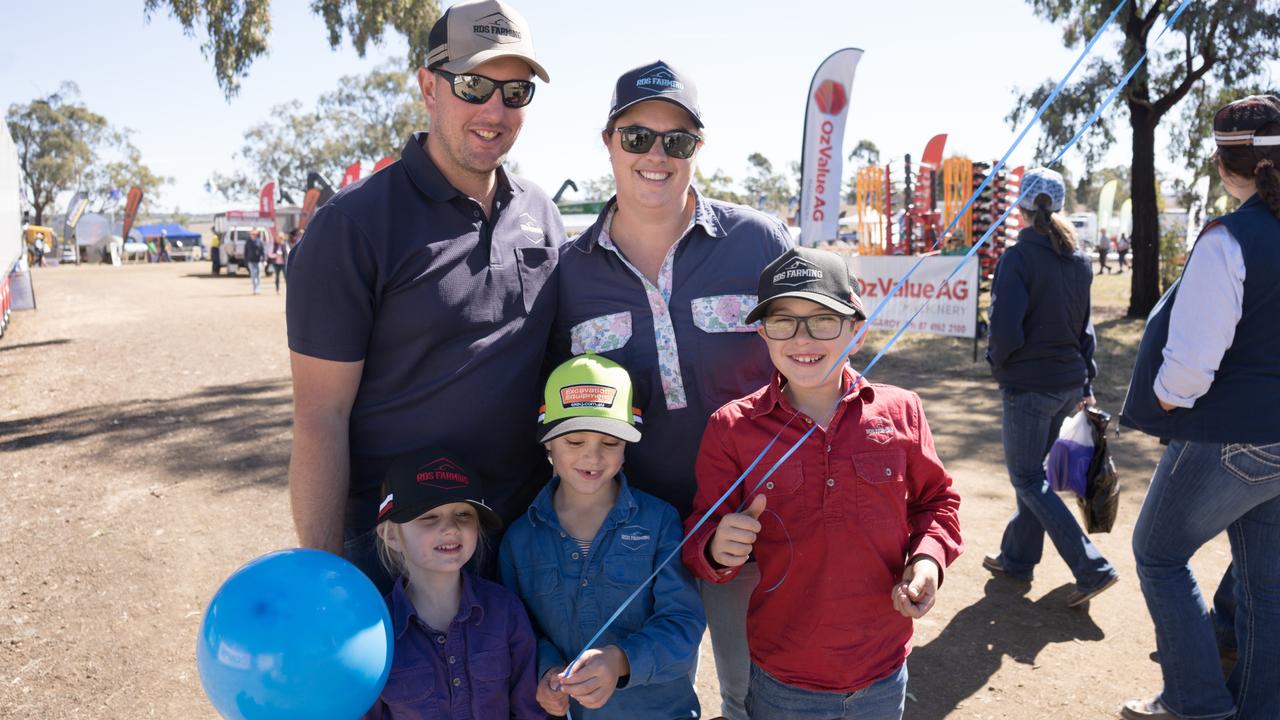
[(539, 581), (536, 265), (723, 313), (602, 334), (623, 575), (788, 510), (882, 487), (490, 666), (409, 689)]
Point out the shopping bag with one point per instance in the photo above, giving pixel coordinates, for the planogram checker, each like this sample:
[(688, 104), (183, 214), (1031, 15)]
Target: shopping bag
[(1101, 499), (1067, 465)]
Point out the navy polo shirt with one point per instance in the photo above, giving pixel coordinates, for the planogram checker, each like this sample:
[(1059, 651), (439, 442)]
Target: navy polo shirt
[(450, 312), (685, 341)]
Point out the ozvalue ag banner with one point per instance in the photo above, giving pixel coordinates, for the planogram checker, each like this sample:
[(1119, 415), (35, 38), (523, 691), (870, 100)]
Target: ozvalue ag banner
[(824, 121), (952, 308)]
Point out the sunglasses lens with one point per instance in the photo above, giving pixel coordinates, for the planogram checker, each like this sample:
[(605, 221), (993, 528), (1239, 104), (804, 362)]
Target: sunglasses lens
[(679, 144), (636, 139), (473, 88), (517, 93)]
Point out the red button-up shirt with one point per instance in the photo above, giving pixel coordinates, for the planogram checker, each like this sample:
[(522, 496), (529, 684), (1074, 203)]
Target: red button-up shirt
[(844, 514)]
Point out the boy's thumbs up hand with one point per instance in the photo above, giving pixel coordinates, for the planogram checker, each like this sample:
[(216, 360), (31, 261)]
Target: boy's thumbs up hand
[(736, 534)]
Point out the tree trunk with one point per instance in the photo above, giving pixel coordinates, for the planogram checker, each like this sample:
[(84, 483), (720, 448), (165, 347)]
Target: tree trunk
[(1144, 288)]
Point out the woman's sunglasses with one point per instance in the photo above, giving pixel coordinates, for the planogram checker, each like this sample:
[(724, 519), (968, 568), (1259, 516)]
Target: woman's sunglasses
[(477, 89), (675, 143)]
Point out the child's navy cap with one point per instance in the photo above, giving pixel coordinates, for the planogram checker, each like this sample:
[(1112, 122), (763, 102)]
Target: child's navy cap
[(810, 274), (425, 479)]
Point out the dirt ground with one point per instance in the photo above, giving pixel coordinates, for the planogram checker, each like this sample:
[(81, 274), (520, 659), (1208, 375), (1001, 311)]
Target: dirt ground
[(145, 419)]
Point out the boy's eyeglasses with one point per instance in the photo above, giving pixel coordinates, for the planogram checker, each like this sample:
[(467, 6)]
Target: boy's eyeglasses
[(675, 143), (477, 89), (819, 327)]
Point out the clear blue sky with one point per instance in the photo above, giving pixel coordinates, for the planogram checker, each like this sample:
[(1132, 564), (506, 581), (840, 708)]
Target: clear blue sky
[(929, 67)]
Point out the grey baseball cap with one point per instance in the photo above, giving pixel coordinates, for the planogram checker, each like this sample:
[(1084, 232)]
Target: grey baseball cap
[(471, 33), (1042, 181)]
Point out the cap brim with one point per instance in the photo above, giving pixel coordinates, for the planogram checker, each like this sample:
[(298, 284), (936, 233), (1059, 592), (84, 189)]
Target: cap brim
[(692, 116), (473, 61), (488, 517), (607, 426), (758, 311)]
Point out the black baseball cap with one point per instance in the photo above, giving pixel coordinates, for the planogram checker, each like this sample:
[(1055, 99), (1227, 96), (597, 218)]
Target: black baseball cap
[(809, 274), (424, 479), (655, 81)]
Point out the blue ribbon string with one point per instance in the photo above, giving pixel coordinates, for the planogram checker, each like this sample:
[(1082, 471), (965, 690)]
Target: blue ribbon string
[(883, 303)]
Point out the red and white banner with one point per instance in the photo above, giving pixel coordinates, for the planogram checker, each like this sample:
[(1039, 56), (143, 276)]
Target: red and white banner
[(383, 163), (953, 307), (267, 201), (308, 207), (351, 175), (824, 121)]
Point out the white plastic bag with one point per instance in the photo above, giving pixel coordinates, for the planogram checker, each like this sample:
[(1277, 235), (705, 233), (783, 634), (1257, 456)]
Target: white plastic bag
[(1067, 465)]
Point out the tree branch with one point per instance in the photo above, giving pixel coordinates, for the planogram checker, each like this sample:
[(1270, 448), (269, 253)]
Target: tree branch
[(1171, 98)]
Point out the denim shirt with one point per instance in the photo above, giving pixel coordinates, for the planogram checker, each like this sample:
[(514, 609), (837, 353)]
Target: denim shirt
[(482, 668), (570, 596)]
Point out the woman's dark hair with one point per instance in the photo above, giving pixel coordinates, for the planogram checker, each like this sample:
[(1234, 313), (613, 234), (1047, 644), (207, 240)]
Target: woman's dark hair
[(1258, 163), (1052, 225)]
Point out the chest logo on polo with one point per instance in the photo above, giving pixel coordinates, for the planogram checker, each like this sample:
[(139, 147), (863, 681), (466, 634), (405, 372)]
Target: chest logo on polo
[(879, 431), (496, 28), (531, 229), (659, 80), (442, 473), (796, 273), (635, 537)]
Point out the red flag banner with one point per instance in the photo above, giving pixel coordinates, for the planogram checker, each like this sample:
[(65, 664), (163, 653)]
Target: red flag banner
[(383, 163), (308, 207), (131, 209), (351, 175), (267, 201)]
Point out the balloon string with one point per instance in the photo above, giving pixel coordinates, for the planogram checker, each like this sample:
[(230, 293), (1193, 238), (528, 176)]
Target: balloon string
[(849, 348)]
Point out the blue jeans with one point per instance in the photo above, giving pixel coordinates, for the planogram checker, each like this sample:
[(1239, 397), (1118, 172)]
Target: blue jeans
[(1030, 426), (769, 699), (255, 271), (1199, 490)]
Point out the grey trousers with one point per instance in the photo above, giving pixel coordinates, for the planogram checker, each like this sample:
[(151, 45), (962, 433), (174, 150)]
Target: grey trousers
[(726, 607)]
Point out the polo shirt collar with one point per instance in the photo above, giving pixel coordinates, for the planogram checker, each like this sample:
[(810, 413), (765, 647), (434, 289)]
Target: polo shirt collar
[(704, 216), (402, 609), (773, 397), (427, 176)]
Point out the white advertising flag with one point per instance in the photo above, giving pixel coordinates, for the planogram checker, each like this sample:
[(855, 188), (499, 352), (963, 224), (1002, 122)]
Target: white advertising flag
[(824, 119)]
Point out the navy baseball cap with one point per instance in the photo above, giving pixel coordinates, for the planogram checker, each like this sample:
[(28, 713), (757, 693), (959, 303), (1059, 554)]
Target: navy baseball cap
[(425, 479), (655, 81), (818, 276)]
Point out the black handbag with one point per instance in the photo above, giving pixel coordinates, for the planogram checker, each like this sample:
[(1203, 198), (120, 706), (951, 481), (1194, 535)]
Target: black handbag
[(1102, 494)]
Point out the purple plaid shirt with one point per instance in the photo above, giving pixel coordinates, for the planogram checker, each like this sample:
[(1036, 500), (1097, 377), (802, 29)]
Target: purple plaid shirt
[(481, 668)]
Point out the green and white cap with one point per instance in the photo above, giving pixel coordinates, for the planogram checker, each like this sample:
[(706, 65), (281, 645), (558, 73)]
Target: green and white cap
[(589, 393)]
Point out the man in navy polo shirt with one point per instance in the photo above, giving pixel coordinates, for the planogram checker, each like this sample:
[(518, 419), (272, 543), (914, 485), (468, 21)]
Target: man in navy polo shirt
[(662, 284), (421, 302)]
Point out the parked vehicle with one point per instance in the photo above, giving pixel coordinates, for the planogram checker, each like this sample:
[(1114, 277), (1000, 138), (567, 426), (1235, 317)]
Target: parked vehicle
[(233, 229)]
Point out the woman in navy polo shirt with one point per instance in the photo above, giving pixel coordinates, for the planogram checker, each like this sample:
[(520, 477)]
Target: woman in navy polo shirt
[(662, 283), (1207, 379)]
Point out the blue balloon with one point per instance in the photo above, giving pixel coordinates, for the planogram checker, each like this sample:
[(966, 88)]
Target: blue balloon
[(295, 634)]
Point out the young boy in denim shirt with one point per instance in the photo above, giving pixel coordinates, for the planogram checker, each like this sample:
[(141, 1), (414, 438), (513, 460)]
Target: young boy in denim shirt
[(851, 532), (586, 543)]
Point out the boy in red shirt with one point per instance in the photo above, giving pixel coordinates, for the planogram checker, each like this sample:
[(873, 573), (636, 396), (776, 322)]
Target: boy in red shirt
[(851, 532)]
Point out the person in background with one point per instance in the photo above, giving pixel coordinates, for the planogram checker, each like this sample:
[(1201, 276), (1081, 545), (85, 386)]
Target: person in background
[(1207, 379), (279, 251), (1041, 354), (254, 256)]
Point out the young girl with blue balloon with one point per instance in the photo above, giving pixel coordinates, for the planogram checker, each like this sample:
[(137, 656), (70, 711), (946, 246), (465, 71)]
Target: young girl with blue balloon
[(463, 645)]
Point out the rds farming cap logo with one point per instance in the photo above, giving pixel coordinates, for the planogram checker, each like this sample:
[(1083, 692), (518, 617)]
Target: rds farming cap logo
[(797, 272), (659, 80), (831, 97), (442, 473), (496, 28)]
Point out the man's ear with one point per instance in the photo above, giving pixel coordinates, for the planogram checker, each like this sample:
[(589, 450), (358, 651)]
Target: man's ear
[(427, 87)]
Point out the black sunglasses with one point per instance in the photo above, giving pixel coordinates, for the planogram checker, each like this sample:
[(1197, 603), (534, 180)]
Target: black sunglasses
[(820, 327), (477, 89), (675, 143)]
